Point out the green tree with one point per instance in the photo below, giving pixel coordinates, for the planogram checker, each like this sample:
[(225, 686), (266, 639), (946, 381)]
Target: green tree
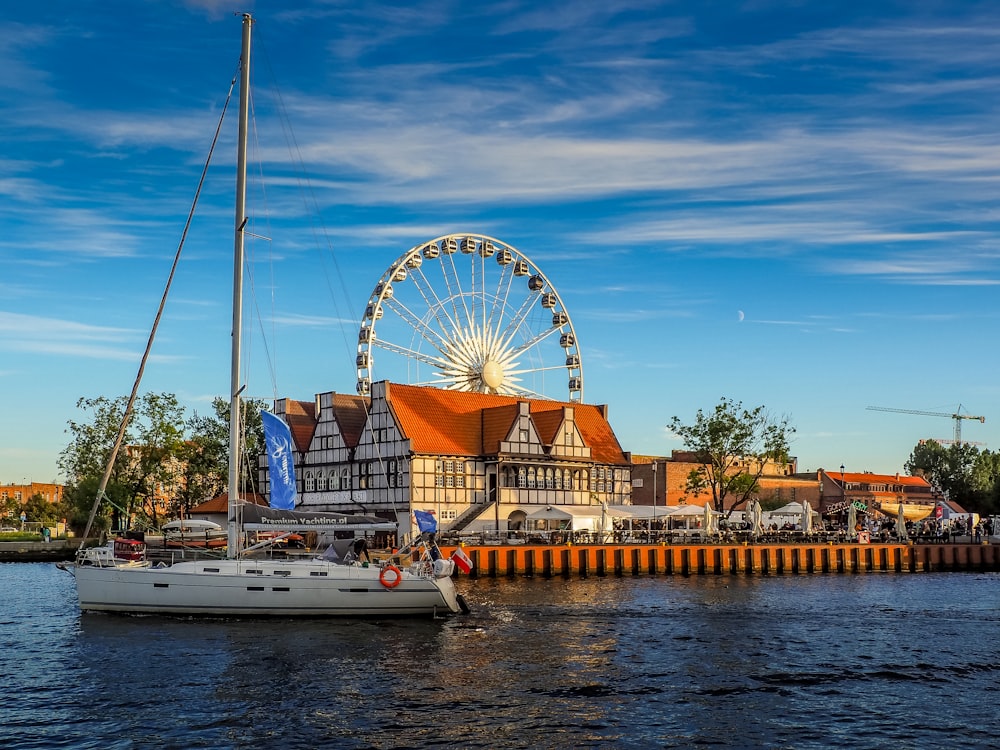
[(949, 469), (961, 472), (733, 446), (153, 439), (162, 449), (209, 447), (37, 508)]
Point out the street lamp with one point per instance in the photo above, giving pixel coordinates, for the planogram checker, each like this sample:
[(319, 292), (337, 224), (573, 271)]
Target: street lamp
[(652, 523), (843, 487)]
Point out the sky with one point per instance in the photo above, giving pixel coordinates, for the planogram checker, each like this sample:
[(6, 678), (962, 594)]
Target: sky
[(786, 204)]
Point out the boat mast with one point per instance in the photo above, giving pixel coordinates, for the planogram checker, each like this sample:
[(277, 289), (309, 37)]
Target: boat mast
[(233, 548)]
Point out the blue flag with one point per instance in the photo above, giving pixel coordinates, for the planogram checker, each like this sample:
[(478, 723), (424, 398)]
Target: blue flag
[(426, 521), (280, 461)]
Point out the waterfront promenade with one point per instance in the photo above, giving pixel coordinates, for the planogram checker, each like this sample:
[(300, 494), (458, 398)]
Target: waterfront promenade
[(554, 560), (548, 561)]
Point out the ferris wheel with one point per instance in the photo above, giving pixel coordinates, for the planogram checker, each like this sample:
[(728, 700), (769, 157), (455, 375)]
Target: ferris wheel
[(466, 312)]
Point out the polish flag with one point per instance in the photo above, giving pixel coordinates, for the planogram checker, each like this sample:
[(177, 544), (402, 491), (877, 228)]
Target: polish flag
[(462, 560)]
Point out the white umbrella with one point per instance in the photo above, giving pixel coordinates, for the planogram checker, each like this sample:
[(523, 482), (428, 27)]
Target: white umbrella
[(756, 518), (901, 524), (852, 518), (807, 520), (707, 523)]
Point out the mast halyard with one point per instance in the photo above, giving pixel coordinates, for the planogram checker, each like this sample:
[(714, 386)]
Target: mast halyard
[(234, 541)]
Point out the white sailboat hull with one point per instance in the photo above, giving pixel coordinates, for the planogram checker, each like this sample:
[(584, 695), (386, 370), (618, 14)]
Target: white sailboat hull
[(230, 588)]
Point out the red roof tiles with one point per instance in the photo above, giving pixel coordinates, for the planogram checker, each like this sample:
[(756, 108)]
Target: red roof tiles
[(469, 424)]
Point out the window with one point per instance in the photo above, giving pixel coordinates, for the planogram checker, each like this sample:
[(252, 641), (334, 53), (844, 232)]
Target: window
[(345, 478), (549, 481), (392, 472), (531, 478), (310, 482), (524, 436), (320, 482), (334, 479), (521, 477)]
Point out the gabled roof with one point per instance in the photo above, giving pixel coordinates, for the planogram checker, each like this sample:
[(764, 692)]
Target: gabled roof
[(301, 419), (454, 422), (496, 425), (547, 422), (351, 413)]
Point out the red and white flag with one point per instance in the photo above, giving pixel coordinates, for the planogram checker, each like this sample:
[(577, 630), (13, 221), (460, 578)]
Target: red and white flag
[(462, 560)]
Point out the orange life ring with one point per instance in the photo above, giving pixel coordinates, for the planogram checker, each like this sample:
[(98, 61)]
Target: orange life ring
[(394, 582)]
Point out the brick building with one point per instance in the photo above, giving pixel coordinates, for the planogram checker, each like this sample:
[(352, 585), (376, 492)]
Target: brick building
[(51, 493), (480, 461), (779, 483)]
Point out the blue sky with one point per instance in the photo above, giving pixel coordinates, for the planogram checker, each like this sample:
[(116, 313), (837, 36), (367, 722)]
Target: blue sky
[(786, 204)]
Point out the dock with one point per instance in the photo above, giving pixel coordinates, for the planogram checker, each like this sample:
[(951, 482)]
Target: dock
[(550, 561)]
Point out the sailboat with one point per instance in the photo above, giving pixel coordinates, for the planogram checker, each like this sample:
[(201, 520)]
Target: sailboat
[(118, 577)]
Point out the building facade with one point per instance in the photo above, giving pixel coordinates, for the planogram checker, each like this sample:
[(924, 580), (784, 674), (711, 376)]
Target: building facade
[(481, 462), (662, 481)]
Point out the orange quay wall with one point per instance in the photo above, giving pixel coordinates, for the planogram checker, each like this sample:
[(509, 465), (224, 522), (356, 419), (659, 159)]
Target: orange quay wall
[(774, 559)]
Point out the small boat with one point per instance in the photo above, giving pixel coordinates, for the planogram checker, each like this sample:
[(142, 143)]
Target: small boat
[(242, 585), (194, 532)]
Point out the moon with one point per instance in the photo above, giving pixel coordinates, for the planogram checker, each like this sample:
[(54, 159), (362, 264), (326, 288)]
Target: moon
[(739, 314)]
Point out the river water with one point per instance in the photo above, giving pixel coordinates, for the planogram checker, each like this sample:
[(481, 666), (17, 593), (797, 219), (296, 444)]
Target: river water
[(864, 661)]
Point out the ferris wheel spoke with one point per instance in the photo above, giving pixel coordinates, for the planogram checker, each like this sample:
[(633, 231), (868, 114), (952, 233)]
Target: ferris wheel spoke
[(433, 302), (533, 341), (503, 290), (406, 351), (529, 370), (518, 320), (431, 336), (453, 284)]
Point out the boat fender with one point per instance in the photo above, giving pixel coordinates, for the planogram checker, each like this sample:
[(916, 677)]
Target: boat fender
[(390, 577)]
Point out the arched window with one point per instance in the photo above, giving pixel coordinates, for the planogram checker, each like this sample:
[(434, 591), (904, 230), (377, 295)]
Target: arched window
[(320, 481), (558, 479), (334, 479), (310, 482), (521, 477), (345, 478), (549, 482), (531, 478)]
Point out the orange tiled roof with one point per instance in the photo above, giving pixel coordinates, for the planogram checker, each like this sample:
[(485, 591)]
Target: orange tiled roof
[(864, 478), (496, 425), (301, 419), (455, 423), (351, 413)]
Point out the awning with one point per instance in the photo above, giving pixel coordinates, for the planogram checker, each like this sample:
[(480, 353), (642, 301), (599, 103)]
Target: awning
[(911, 511)]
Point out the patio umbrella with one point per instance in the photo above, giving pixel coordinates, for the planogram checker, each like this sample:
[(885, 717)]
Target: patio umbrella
[(852, 518), (756, 518), (901, 524), (707, 523), (807, 520)]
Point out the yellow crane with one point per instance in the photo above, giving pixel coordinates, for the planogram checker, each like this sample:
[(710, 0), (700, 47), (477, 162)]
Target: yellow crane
[(956, 415)]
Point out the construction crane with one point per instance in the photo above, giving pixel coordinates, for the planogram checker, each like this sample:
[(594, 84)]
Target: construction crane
[(956, 415)]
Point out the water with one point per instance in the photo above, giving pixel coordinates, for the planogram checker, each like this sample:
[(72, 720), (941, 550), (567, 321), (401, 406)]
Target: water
[(867, 661)]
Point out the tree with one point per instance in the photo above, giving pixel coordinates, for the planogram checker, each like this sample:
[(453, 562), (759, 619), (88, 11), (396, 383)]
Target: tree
[(165, 457), (961, 472), (145, 463), (733, 446), (209, 446)]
